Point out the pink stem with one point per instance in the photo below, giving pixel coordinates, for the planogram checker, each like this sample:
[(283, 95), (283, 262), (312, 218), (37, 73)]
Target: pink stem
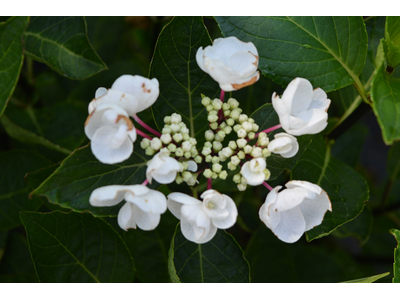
[(141, 133), (145, 126), (208, 183), (267, 186), (269, 129), (222, 95), (145, 182)]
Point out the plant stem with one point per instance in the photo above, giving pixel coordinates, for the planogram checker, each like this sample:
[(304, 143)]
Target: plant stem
[(209, 186), (269, 129), (267, 186), (222, 96), (145, 182), (145, 126), (141, 133), (29, 70)]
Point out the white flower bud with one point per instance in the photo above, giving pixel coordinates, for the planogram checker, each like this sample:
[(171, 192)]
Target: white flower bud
[(185, 130), (194, 151), (155, 144), (217, 104), (246, 126), (217, 146), (216, 168), (231, 166), (188, 154), (263, 141), (237, 127), (167, 120), (247, 149), (166, 138), (214, 125), (213, 112), (209, 107), (242, 187), (206, 101), (227, 113), (214, 175), (212, 118), (284, 144), (241, 143), (206, 151), (182, 125), (178, 179), (222, 125), (209, 135), (233, 103), (176, 118), (185, 136), (207, 145), (230, 122), (243, 118), (227, 152), (241, 133), (226, 106), (177, 137), (262, 134), (251, 135), (171, 147), (179, 152), (241, 155), (266, 152), (256, 152), (207, 173), (237, 178), (235, 160), (186, 176), (186, 146), (255, 127), (221, 156), (235, 114), (198, 159), (232, 145), (166, 130), (208, 158), (193, 141), (175, 128), (145, 143), (223, 175), (149, 151), (227, 129), (215, 160), (267, 174)]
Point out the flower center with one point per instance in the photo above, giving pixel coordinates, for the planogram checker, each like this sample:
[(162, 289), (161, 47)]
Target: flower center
[(210, 205)]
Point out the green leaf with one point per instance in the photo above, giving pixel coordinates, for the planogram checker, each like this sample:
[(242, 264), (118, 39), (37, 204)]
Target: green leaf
[(328, 51), (266, 117), (14, 191), (17, 265), (11, 57), (368, 279), (3, 238), (149, 249), (52, 127), (219, 260), (181, 80), (272, 260), (396, 265), (347, 190), (76, 248), (62, 43), (393, 161), (392, 38), (80, 173), (385, 96)]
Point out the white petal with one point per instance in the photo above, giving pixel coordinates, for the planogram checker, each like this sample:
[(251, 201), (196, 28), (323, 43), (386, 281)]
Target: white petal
[(196, 234), (146, 91), (289, 198), (314, 210), (100, 92), (145, 220), (297, 95), (162, 168), (176, 200), (282, 111), (96, 119), (107, 195), (291, 226), (230, 45), (252, 178), (267, 213), (102, 150), (316, 120), (192, 166), (284, 144), (125, 217), (304, 184), (151, 202), (243, 63), (199, 58), (126, 101), (230, 220), (320, 95)]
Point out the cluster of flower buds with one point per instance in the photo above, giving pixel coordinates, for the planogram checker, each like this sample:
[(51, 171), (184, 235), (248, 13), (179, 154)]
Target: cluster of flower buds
[(233, 64)]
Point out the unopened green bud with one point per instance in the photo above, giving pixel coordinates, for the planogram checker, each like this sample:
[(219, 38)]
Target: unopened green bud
[(217, 104), (214, 175), (227, 152), (235, 160), (166, 130), (241, 133), (206, 151), (155, 144), (178, 179), (217, 167), (223, 175), (233, 103), (209, 135), (171, 147), (237, 178), (226, 106), (247, 126), (242, 187), (150, 151), (262, 134), (186, 176), (188, 154), (207, 145), (241, 143), (266, 152), (217, 146), (237, 127), (222, 125), (186, 146), (255, 127), (243, 180), (267, 174), (251, 135), (208, 158), (185, 136), (182, 125), (145, 143), (230, 122), (175, 128), (232, 145), (166, 138), (198, 159), (209, 107), (206, 101), (227, 129), (214, 125), (179, 152), (263, 141), (243, 118), (215, 160), (193, 141), (177, 137), (241, 155), (235, 114), (231, 166), (227, 113), (256, 152), (184, 130), (247, 149), (194, 151), (176, 118), (212, 118), (207, 173), (167, 120)]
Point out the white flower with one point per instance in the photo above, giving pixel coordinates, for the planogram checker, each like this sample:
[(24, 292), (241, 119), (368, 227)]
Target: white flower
[(143, 206), (111, 133), (230, 62), (253, 171), (162, 168), (201, 219), (132, 93), (302, 110), (293, 211), (284, 144)]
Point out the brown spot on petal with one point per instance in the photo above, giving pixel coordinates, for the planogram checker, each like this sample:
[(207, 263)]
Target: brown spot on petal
[(144, 88), (127, 120), (256, 62), (237, 86), (145, 200), (123, 95)]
